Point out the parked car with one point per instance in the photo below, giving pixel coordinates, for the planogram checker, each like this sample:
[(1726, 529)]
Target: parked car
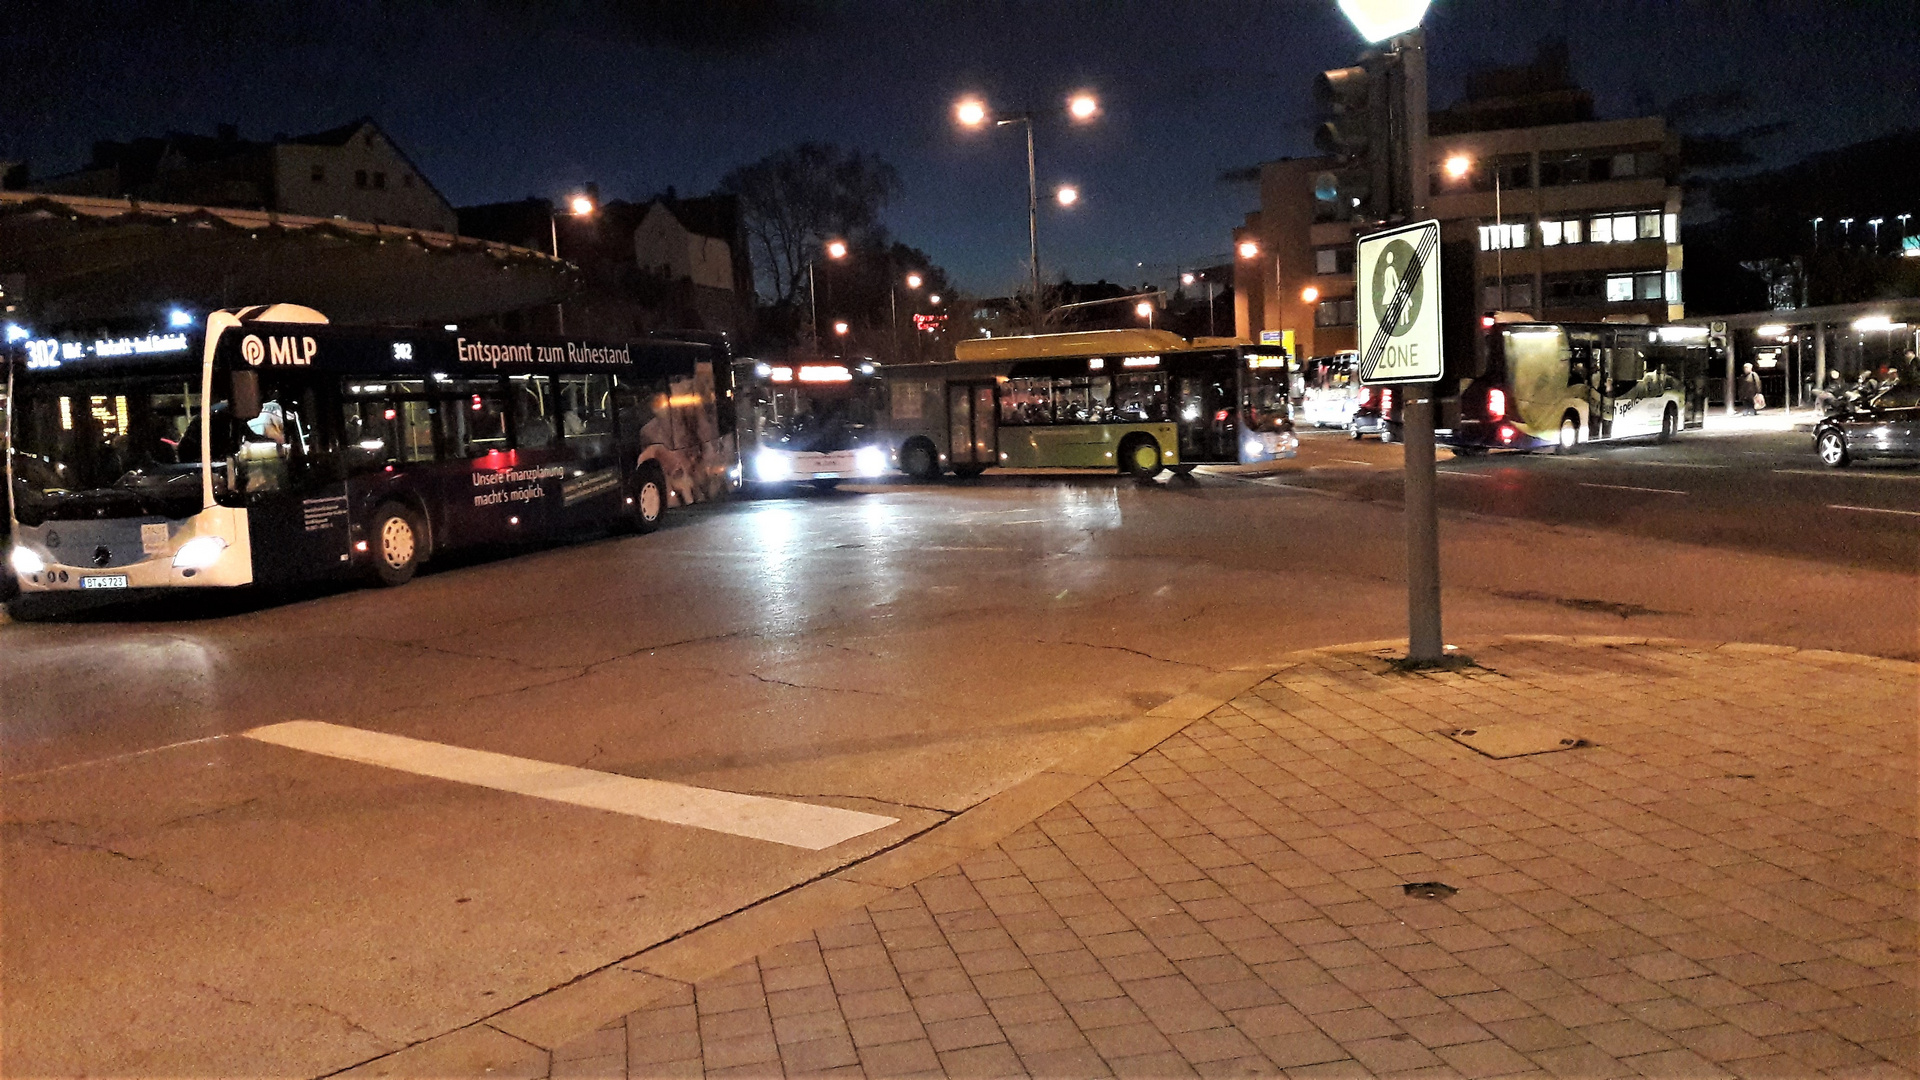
[(1888, 426)]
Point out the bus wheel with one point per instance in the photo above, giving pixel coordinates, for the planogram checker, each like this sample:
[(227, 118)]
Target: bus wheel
[(1669, 424), (1142, 458), (649, 499), (825, 484), (1569, 435), (396, 544), (918, 460)]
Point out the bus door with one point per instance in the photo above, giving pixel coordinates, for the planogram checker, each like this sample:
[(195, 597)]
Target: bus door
[(592, 490), (1587, 377), (288, 466), (1632, 402), (972, 425), (1204, 406)]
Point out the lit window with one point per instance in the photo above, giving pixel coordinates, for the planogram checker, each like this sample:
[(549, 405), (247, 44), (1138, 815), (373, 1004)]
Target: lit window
[(1549, 233), (1517, 235), (1623, 229), (1619, 286), (1601, 230), (1573, 231), (1673, 228), (1673, 284)]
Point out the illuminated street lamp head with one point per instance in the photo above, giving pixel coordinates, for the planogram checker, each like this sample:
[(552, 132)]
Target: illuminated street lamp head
[(1083, 106), (1067, 195), (840, 327), (1309, 294), (580, 205), (914, 281), (836, 249), (1378, 20), (1187, 278), (1144, 309), (971, 112), (1248, 249), (1458, 166), (934, 299)]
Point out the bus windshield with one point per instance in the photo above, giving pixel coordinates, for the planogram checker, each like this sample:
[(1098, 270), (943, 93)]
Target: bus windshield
[(1268, 405), (812, 420), (100, 448)]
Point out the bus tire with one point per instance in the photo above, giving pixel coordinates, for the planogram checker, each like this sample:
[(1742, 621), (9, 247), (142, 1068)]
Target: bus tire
[(825, 483), (1140, 456), (1569, 439), (398, 544), (968, 472), (919, 460), (649, 498), (1669, 423)]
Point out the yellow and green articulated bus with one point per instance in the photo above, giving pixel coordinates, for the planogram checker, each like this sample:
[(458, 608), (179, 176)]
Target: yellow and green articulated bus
[(1136, 401)]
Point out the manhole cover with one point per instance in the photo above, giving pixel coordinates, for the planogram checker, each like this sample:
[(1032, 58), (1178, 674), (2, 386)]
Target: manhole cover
[(1515, 739), (1429, 890)]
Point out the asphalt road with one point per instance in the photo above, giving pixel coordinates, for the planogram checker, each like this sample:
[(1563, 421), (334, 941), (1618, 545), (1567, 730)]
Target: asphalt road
[(181, 899)]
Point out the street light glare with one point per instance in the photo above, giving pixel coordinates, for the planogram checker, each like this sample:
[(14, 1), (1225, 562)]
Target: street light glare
[(580, 205), (1068, 195), (1458, 165), (1144, 309), (1186, 279), (836, 249), (1309, 294), (1082, 106), (971, 112), (913, 281), (840, 327), (934, 299), (1248, 249)]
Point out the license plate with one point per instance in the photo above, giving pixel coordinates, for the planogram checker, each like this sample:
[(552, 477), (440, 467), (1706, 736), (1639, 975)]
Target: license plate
[(104, 581)]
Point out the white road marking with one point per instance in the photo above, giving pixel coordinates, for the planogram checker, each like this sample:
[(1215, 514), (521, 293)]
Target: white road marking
[(1872, 509), (1630, 487), (1672, 464), (795, 824), (1464, 475), (1851, 474)]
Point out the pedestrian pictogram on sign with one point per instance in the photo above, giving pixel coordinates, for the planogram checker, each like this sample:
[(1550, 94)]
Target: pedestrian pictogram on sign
[(1398, 275)]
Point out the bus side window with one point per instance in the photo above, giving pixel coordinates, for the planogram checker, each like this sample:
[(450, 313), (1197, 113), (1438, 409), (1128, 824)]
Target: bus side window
[(1140, 398), (586, 413), (532, 416), (369, 434), (476, 425)]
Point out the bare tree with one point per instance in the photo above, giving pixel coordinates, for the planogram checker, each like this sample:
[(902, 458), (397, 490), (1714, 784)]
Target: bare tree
[(794, 199)]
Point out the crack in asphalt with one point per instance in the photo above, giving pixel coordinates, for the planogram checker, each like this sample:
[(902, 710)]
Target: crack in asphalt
[(215, 811), (147, 863), (1124, 649), (799, 686)]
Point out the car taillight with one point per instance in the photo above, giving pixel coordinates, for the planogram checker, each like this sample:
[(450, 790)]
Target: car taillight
[(1496, 404), (1366, 395)]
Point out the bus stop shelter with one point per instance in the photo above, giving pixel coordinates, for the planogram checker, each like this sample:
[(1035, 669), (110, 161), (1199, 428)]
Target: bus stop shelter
[(1799, 347)]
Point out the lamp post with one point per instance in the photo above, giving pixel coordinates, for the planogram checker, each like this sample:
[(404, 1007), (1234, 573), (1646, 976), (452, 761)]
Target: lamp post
[(836, 249), (1457, 167), (972, 113), (577, 206), (914, 281), (1816, 232)]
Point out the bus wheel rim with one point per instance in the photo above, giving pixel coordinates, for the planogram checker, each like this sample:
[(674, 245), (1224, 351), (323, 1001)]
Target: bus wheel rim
[(650, 500), (396, 542), (1143, 456)]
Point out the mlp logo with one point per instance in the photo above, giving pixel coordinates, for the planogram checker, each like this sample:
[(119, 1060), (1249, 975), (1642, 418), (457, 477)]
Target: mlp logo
[(278, 351)]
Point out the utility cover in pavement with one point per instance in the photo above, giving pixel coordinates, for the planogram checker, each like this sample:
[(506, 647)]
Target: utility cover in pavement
[(1515, 738)]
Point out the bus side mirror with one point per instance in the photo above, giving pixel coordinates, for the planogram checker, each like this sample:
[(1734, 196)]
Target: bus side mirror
[(246, 395)]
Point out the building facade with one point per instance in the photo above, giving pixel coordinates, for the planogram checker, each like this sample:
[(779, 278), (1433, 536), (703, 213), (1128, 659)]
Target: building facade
[(354, 171), (1564, 217)]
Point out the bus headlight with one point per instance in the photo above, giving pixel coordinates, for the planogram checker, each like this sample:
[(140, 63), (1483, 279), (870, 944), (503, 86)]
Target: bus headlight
[(26, 561), (199, 553), (1253, 449), (870, 461), (771, 466)]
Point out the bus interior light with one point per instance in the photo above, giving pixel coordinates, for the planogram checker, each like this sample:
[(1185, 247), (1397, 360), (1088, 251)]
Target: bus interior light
[(825, 373), (780, 374), (1140, 361), (199, 553), (1097, 363), (26, 561)]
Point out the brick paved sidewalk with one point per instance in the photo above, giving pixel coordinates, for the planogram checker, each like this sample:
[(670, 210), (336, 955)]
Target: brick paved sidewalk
[(1722, 883)]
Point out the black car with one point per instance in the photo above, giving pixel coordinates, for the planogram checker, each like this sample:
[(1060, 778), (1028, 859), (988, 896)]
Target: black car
[(1888, 426)]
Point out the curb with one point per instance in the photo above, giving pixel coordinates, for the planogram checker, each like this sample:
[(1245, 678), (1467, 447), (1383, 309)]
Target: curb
[(517, 1041)]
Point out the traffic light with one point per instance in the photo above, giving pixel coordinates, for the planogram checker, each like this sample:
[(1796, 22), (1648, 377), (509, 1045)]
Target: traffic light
[(1357, 135)]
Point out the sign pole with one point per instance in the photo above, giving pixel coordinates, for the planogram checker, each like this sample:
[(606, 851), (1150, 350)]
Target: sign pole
[(1425, 644)]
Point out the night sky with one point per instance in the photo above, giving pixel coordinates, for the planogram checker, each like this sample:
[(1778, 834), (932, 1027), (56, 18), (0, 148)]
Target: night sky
[(512, 98)]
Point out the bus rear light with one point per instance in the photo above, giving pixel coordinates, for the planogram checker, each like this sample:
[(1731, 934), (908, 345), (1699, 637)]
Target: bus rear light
[(1496, 404), (1507, 433), (1366, 395), (359, 545)]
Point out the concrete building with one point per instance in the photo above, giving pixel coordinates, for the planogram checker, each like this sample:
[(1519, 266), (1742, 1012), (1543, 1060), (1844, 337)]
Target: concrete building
[(353, 171), (1564, 217)]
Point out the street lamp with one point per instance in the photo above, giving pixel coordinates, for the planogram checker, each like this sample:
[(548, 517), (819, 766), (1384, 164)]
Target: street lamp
[(836, 249), (1875, 222), (578, 206), (1144, 309), (840, 327), (1816, 232), (1309, 294), (913, 281), (972, 113), (1067, 195), (1247, 249), (1457, 168)]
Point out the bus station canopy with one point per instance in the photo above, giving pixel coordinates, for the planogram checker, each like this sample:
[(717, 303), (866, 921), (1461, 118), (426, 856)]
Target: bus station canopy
[(75, 259)]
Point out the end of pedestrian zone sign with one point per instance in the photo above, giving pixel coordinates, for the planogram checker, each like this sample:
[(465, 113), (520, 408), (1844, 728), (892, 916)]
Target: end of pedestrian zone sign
[(1397, 276)]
